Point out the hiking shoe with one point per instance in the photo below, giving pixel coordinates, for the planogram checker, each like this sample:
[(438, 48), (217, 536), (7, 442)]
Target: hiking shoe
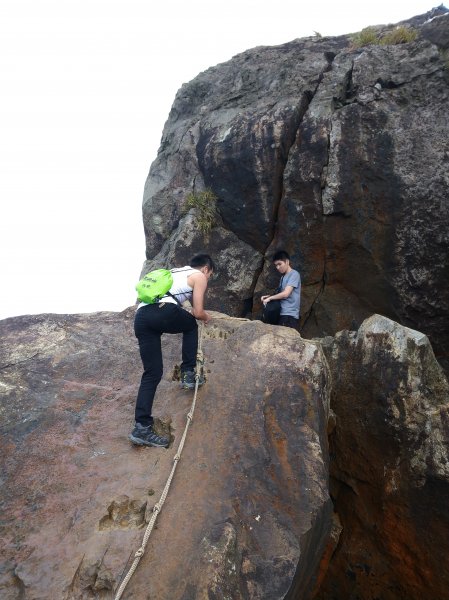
[(145, 436), (188, 380)]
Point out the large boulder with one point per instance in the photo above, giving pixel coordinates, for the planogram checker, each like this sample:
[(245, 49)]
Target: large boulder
[(389, 446), (248, 514), (334, 152)]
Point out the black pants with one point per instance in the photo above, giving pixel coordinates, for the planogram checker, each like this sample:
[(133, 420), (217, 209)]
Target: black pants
[(149, 324), (288, 321)]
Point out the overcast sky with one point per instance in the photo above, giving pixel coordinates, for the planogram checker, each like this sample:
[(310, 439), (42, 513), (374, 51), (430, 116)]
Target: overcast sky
[(86, 87)]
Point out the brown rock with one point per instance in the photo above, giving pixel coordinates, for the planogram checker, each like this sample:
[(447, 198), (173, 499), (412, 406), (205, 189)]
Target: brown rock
[(248, 514), (389, 465)]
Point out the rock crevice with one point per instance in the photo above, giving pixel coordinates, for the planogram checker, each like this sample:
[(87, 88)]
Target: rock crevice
[(352, 149)]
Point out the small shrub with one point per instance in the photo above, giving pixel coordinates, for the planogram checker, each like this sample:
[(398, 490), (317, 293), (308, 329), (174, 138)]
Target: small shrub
[(205, 205), (366, 37), (400, 35)]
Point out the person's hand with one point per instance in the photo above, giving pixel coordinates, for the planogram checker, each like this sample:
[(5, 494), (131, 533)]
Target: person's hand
[(207, 319), (265, 299)]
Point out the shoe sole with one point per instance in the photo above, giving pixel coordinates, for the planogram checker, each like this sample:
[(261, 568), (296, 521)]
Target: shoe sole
[(140, 442), (187, 386), (190, 386)]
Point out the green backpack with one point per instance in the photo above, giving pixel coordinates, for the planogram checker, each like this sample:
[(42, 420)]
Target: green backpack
[(154, 285)]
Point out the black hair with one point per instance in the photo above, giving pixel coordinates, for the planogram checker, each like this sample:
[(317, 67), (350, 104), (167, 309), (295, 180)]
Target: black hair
[(202, 260), (281, 255)]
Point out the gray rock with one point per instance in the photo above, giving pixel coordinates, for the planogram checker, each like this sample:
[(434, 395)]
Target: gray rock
[(337, 154)]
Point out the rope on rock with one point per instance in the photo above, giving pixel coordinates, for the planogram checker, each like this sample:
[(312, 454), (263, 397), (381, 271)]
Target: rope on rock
[(158, 506)]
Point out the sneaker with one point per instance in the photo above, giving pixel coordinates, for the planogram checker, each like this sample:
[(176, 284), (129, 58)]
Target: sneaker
[(188, 380), (145, 436)]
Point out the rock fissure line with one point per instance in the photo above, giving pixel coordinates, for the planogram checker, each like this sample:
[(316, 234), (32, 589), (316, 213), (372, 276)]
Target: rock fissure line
[(349, 89), (309, 96), (391, 85), (317, 297), (323, 182), (183, 136), (347, 95)]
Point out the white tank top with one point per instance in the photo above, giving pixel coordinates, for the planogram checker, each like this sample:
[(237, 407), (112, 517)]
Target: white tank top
[(180, 288)]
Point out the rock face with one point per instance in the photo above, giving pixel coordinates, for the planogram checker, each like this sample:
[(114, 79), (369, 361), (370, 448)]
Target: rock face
[(389, 465), (248, 514), (337, 154)]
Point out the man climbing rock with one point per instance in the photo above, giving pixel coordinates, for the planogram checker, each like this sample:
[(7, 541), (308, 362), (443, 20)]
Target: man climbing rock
[(289, 290), (168, 316)]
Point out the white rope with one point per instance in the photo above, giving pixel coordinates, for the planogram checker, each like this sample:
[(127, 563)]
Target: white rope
[(158, 506)]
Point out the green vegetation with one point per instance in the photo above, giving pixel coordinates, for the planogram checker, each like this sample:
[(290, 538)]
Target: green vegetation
[(366, 37), (400, 35), (370, 37), (205, 205)]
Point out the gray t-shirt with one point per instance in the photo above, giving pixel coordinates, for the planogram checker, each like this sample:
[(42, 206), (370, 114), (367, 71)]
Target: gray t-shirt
[(290, 305)]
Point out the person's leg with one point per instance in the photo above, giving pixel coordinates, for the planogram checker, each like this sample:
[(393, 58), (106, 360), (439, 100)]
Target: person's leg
[(183, 322), (189, 349), (149, 339), (151, 355)]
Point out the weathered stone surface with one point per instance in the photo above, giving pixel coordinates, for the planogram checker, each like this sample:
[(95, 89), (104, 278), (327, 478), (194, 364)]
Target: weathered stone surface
[(389, 465), (235, 282), (436, 30), (248, 514), (335, 153)]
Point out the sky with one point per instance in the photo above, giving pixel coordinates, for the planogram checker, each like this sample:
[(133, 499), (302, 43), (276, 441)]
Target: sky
[(86, 87)]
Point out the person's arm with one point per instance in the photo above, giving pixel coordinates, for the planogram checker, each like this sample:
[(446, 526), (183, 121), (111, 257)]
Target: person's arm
[(280, 295), (198, 281)]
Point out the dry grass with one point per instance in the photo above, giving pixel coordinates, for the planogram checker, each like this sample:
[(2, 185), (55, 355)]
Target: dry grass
[(205, 205)]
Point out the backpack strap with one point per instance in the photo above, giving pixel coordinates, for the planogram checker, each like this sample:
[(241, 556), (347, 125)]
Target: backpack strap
[(177, 270), (279, 288), (181, 269), (174, 298)]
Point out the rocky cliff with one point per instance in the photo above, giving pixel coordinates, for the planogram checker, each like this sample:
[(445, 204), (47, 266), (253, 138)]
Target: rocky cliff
[(314, 468), (389, 448), (250, 511), (336, 152)]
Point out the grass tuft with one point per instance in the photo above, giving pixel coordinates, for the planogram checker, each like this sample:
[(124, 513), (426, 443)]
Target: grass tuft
[(369, 37), (400, 35), (205, 205), (366, 37)]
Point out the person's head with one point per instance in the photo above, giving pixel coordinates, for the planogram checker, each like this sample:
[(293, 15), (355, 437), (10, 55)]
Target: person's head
[(281, 261), (203, 263)]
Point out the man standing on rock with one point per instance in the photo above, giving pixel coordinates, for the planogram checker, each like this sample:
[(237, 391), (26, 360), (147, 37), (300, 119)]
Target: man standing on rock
[(290, 291), (168, 316)]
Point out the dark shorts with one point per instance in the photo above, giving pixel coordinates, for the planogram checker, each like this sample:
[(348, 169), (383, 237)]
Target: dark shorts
[(288, 321)]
